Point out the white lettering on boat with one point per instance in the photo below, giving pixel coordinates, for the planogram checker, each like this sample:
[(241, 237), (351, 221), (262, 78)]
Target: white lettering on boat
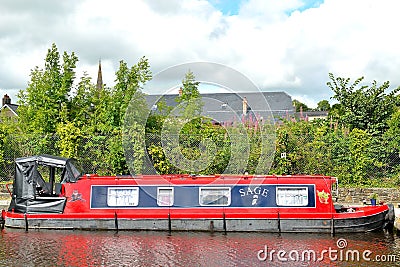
[(258, 190)]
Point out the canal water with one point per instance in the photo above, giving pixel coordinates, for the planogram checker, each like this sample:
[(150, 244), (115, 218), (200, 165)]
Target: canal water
[(129, 248)]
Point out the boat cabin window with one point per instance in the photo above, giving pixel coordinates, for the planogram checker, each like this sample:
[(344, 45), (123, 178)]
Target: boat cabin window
[(215, 196), (165, 196), (48, 179), (292, 196), (123, 196)]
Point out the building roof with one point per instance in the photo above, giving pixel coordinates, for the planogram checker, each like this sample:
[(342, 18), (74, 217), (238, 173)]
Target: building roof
[(222, 106), (12, 107)]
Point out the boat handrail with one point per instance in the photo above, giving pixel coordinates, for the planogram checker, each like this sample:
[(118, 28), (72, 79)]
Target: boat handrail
[(8, 189)]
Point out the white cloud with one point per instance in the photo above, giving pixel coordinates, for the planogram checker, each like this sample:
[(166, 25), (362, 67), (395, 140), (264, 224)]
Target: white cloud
[(280, 45)]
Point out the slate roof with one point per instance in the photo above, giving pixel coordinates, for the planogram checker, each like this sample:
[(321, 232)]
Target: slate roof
[(280, 104), (12, 107)]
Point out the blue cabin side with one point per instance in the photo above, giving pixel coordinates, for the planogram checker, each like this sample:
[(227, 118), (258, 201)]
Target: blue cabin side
[(198, 196)]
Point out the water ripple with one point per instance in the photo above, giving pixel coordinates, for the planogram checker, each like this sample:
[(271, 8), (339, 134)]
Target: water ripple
[(81, 248)]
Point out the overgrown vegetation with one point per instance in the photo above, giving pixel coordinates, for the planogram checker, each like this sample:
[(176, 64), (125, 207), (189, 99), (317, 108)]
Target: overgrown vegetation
[(359, 142)]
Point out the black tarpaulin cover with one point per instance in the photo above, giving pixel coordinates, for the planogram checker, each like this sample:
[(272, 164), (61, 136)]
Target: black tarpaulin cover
[(27, 179)]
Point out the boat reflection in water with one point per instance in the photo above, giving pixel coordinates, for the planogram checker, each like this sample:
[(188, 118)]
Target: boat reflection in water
[(133, 248)]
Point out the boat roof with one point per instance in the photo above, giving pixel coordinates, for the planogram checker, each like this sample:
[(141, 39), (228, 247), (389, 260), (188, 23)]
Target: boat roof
[(44, 159), (218, 179), (71, 174)]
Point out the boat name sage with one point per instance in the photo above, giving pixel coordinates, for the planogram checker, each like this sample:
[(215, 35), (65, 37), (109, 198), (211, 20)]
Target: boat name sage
[(258, 190)]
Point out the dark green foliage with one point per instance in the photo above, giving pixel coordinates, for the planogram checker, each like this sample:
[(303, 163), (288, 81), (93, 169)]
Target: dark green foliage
[(80, 119), (300, 106), (356, 157), (190, 103), (48, 90), (323, 105), (128, 82), (364, 107)]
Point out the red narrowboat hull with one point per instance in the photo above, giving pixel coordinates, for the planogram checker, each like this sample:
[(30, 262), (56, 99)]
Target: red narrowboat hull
[(253, 203)]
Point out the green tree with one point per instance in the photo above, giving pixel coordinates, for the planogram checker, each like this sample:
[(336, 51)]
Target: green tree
[(300, 106), (157, 117), (189, 100), (128, 82), (336, 111), (134, 134), (354, 160), (364, 107), (70, 136), (48, 89), (128, 108), (394, 125), (393, 133), (323, 105), (2, 141), (82, 101)]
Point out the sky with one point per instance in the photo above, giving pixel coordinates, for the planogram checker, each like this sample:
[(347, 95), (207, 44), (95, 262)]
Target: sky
[(280, 45)]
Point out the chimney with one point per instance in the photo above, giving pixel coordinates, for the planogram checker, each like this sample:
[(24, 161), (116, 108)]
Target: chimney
[(6, 99), (244, 106)]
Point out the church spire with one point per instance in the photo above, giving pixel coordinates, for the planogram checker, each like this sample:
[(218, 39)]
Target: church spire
[(99, 85)]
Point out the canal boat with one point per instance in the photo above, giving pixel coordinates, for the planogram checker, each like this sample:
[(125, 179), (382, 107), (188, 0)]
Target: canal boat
[(50, 192)]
